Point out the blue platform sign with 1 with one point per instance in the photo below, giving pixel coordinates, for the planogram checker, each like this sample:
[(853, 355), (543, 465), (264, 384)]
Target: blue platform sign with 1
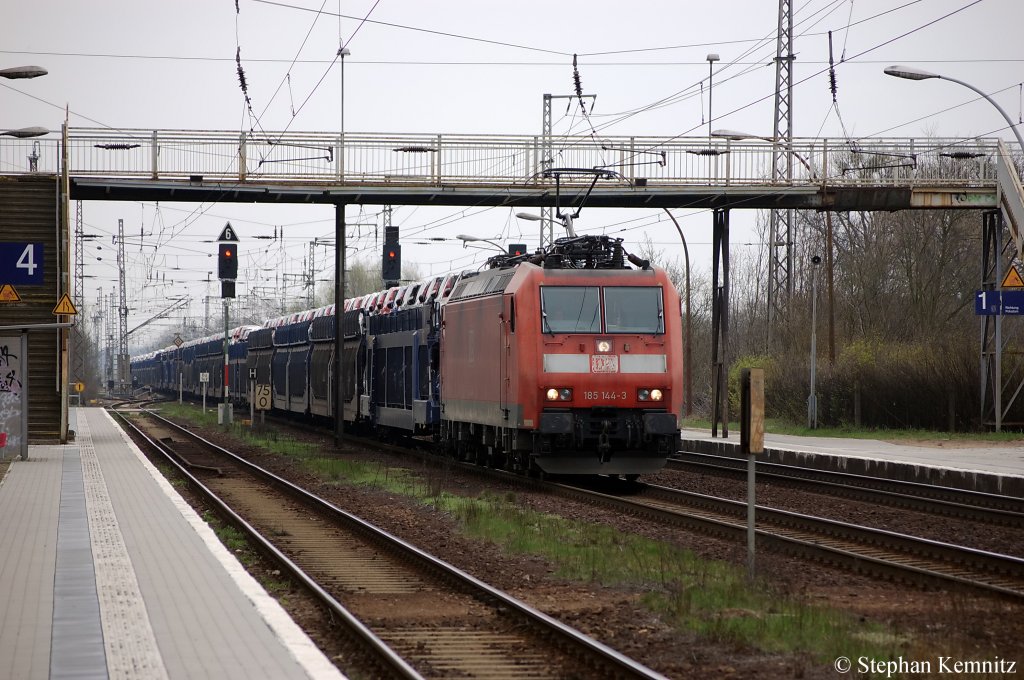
[(994, 302), (21, 264), (987, 302)]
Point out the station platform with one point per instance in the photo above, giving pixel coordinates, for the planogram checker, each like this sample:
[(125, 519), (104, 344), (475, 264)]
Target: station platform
[(106, 572), (988, 467)]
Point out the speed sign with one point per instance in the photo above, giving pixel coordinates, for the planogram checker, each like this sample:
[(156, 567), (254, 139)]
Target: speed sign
[(262, 399)]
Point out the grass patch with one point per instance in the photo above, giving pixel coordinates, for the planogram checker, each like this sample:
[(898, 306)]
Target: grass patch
[(713, 599), (233, 539), (268, 439)]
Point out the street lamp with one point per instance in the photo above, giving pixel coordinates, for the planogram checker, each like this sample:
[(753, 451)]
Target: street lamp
[(712, 58), (911, 73), (466, 239), (737, 136), (565, 218), (16, 72), (19, 72), (687, 344), (23, 133), (812, 400)]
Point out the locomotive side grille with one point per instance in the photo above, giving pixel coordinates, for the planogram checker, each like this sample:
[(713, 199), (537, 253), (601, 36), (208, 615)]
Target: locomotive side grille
[(481, 285)]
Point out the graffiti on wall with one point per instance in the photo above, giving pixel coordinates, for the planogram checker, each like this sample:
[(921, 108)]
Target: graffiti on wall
[(12, 406)]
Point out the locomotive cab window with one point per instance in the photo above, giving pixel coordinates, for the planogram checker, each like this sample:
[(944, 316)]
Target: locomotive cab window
[(570, 309), (633, 310)]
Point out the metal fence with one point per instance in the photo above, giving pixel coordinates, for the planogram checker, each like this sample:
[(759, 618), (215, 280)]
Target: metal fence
[(435, 160)]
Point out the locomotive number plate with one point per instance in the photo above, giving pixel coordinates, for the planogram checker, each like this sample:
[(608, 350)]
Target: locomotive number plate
[(604, 363), (604, 395)]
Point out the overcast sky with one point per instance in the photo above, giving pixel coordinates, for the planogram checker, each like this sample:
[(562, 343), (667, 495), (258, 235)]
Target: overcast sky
[(473, 67)]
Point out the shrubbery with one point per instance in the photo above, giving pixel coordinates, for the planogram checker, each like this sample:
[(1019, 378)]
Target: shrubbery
[(875, 384)]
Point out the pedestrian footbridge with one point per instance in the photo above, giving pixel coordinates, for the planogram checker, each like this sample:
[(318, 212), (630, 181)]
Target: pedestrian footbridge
[(727, 171)]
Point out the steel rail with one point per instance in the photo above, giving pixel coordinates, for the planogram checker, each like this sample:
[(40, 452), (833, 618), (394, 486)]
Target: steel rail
[(385, 655), (566, 634), (876, 551), (721, 519), (852, 546), (859, 547), (948, 501)]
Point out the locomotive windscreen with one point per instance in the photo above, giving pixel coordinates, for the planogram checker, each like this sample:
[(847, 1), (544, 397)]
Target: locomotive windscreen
[(627, 309), (570, 309), (633, 310)]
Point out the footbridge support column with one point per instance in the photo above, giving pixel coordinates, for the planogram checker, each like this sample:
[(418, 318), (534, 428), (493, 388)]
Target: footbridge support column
[(720, 324)]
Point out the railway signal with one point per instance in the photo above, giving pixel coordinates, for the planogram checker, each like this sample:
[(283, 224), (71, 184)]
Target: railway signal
[(227, 272), (227, 262), (391, 261), (516, 249)]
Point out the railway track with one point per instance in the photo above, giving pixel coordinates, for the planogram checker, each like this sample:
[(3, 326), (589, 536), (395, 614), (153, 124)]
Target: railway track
[(937, 500), (415, 615), (865, 549)]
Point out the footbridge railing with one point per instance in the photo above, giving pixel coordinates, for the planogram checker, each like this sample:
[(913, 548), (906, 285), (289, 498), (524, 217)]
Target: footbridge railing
[(440, 160), (449, 159)]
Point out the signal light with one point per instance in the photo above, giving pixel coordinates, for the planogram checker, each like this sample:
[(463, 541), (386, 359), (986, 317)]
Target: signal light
[(516, 249), (391, 264), (227, 262)]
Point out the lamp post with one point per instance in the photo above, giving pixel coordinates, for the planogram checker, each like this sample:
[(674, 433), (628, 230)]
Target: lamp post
[(712, 58), (339, 263), (687, 344), (342, 53), (812, 400), (735, 136), (911, 73)]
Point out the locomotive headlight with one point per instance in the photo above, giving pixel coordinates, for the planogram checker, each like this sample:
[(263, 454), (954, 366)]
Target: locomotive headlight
[(656, 395), (559, 394), (644, 394), (604, 346)]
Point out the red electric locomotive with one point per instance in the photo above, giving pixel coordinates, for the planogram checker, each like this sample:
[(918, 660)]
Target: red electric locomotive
[(566, 362)]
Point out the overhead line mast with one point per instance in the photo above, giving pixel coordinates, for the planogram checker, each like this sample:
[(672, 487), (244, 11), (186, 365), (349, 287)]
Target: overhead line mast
[(123, 361), (780, 247)]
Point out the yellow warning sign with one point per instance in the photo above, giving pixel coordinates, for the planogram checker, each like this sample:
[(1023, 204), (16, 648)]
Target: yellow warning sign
[(65, 306), (1012, 279), (8, 294)]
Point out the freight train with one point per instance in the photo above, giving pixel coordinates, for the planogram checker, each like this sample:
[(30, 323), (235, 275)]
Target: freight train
[(563, 361)]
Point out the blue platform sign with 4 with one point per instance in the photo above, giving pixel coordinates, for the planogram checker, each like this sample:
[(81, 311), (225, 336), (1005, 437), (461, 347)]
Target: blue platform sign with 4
[(21, 263)]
